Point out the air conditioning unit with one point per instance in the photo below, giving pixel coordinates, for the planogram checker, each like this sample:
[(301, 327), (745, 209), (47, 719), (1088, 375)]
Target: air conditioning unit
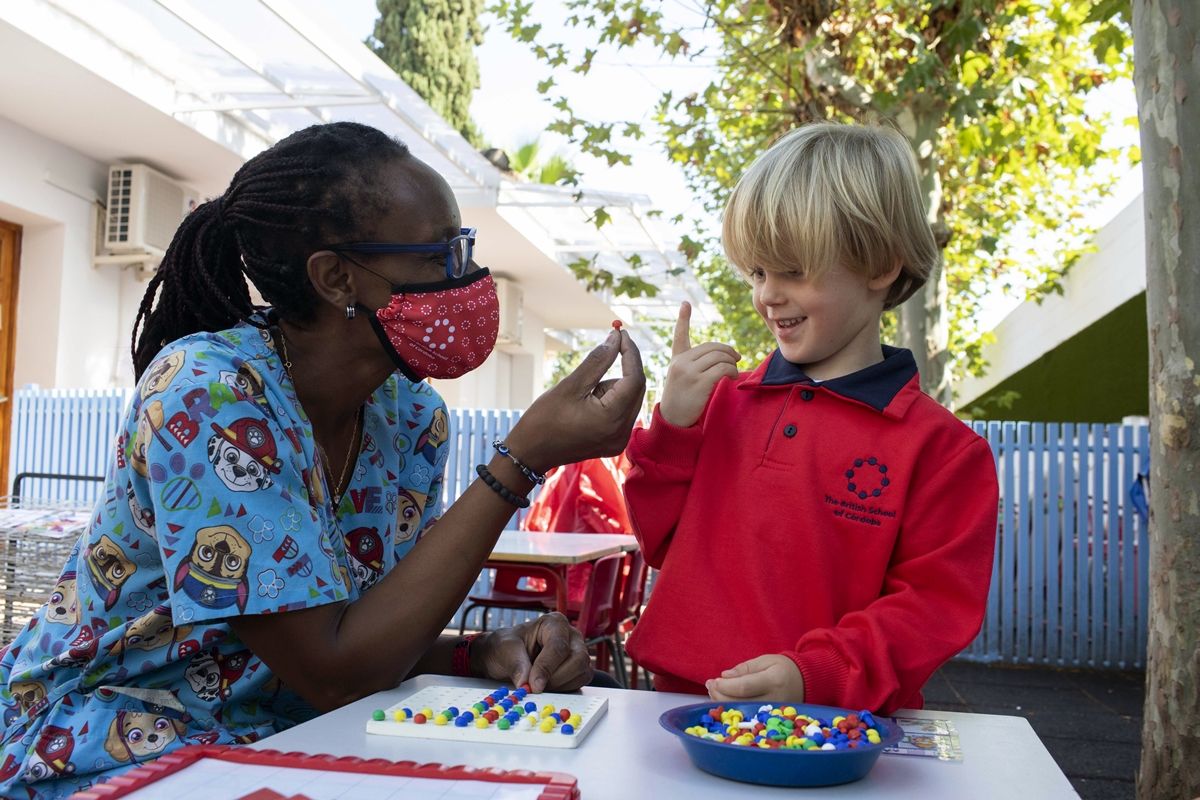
[(144, 209), (511, 311)]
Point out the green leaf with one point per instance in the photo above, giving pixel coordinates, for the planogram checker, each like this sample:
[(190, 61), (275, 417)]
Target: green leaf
[(1104, 10), (973, 65)]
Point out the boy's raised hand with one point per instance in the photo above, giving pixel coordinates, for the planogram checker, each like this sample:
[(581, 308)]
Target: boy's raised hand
[(693, 373), (768, 677)]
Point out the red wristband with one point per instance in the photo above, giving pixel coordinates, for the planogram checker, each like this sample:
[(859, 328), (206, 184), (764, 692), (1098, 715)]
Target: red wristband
[(460, 663)]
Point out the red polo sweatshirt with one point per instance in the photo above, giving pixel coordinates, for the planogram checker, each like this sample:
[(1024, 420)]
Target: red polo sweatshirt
[(848, 525)]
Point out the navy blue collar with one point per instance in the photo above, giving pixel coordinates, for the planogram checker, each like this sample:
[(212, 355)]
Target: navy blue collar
[(875, 385)]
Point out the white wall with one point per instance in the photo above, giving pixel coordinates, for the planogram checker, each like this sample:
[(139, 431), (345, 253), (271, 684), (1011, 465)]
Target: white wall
[(1099, 283), (69, 314)]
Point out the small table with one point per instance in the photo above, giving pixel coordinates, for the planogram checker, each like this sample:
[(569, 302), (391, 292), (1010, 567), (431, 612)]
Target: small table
[(537, 547), (554, 552), (629, 756)]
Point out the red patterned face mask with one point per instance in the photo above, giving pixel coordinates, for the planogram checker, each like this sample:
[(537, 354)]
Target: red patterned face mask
[(440, 330)]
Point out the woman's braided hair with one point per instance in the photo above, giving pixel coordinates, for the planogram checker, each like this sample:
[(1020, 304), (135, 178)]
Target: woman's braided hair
[(315, 187)]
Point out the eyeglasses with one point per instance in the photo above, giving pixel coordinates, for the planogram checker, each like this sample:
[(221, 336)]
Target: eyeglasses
[(458, 250)]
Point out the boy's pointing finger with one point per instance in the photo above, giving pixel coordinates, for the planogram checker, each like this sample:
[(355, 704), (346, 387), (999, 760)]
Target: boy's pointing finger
[(683, 339)]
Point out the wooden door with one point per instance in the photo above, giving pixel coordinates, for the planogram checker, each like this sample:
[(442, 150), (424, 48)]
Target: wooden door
[(10, 259)]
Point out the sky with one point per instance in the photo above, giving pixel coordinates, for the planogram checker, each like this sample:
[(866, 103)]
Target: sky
[(625, 85)]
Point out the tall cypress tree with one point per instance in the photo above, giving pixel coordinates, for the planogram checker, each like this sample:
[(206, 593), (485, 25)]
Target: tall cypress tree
[(431, 45)]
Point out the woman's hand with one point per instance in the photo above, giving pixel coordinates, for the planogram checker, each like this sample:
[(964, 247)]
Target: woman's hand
[(547, 653), (583, 416), (693, 373)]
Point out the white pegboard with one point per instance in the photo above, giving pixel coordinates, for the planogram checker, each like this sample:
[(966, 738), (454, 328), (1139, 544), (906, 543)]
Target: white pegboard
[(440, 698)]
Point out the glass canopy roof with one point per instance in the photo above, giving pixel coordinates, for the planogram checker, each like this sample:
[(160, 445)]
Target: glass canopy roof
[(276, 67)]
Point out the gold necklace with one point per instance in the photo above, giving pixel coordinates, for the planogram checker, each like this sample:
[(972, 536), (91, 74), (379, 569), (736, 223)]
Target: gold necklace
[(342, 483)]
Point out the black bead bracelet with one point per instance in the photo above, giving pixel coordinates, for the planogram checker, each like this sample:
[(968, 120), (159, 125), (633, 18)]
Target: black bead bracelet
[(520, 501)]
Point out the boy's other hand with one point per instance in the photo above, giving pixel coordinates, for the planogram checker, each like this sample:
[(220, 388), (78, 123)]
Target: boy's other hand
[(693, 373), (770, 677)]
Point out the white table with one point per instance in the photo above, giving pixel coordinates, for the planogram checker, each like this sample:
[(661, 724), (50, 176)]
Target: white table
[(536, 547), (548, 554), (628, 756)]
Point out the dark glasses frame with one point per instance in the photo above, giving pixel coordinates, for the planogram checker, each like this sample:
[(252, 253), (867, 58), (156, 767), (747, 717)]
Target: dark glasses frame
[(462, 245)]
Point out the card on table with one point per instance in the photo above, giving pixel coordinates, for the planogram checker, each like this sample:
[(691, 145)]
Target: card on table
[(933, 738)]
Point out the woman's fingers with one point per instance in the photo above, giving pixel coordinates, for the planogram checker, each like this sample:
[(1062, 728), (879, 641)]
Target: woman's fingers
[(604, 387), (584, 415), (560, 652), (591, 370), (629, 389)]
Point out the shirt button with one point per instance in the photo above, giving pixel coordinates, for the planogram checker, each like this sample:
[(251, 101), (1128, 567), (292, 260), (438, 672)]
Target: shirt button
[(789, 431), (806, 395)]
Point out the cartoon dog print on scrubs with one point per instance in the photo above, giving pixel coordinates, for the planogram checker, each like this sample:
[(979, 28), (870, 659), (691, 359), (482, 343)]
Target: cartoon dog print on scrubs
[(161, 373), (62, 608), (30, 696), (246, 382), (213, 674), (81, 650), (110, 568), (204, 676), (232, 666), (214, 572), (150, 422), (243, 455), (150, 632), (409, 506), (433, 436), (51, 755), (136, 735), (365, 548), (143, 516)]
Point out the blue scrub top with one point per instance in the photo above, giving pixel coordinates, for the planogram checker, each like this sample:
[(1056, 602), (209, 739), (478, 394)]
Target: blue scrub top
[(216, 505)]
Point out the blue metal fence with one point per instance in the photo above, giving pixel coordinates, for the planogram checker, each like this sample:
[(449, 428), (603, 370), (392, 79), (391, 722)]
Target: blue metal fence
[(1069, 583), (64, 431)]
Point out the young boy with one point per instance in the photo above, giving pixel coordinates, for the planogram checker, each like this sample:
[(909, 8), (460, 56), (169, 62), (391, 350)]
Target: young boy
[(824, 529)]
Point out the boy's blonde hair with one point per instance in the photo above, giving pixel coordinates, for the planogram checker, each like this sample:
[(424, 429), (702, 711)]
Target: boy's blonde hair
[(829, 193)]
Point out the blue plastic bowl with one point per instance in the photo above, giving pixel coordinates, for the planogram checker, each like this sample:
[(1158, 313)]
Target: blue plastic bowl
[(777, 767)]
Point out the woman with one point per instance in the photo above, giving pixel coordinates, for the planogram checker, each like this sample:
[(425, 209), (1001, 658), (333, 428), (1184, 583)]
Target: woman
[(255, 558)]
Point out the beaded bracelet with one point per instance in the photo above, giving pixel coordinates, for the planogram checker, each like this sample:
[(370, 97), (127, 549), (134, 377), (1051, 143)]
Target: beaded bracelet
[(499, 488), (460, 663), (503, 450)]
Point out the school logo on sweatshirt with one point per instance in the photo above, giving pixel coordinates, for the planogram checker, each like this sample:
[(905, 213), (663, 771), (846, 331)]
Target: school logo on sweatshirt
[(867, 477), (866, 481)]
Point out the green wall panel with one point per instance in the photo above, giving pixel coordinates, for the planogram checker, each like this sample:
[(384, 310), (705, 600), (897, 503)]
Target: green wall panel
[(1100, 374)]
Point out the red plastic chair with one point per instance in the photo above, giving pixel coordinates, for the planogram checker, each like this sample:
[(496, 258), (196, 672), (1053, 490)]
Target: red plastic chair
[(599, 613), (509, 591), (633, 594)]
